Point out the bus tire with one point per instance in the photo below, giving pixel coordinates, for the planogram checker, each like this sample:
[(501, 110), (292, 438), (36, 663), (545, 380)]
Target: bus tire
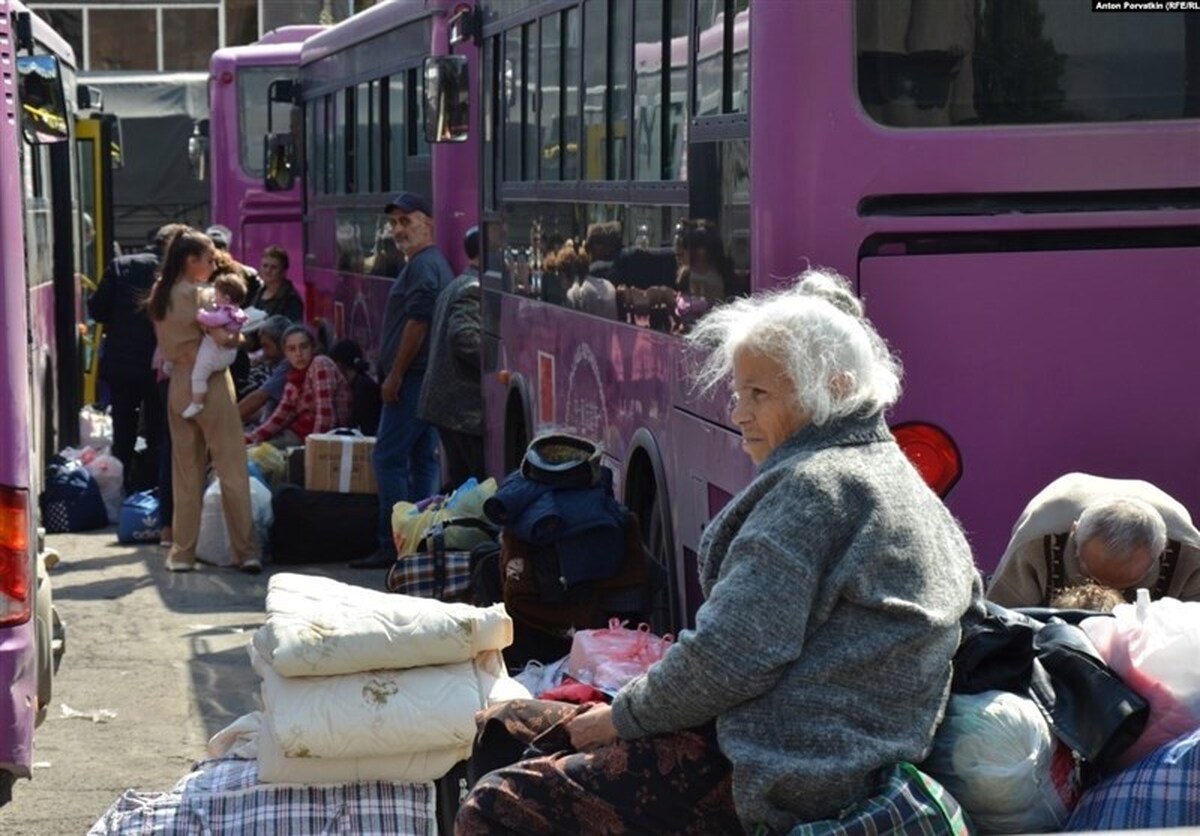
[(646, 496), (516, 424)]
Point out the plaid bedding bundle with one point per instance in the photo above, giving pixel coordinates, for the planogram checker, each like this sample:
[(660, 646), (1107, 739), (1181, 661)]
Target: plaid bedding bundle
[(224, 796)]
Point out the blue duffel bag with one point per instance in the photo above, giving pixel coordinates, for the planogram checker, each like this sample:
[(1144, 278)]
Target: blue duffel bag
[(140, 521), (71, 500)]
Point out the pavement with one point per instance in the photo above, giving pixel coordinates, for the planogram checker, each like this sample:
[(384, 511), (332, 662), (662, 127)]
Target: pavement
[(155, 664)]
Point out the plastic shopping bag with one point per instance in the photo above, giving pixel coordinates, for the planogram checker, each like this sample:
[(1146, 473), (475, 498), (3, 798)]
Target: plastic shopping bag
[(109, 474), (95, 428), (1153, 647), (995, 754), (212, 544), (611, 656)]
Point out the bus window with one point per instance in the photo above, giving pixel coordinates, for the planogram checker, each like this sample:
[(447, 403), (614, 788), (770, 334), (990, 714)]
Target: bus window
[(366, 145), (710, 57), (550, 121), (648, 91), (529, 99), (398, 116), (596, 91), (572, 69), (620, 100), (1027, 62), (513, 85), (341, 104), (44, 110)]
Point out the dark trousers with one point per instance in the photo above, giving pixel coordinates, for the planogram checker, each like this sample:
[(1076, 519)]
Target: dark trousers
[(136, 401), (406, 463), (464, 456), (668, 783)]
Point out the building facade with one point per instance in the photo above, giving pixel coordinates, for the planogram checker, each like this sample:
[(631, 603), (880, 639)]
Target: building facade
[(172, 35)]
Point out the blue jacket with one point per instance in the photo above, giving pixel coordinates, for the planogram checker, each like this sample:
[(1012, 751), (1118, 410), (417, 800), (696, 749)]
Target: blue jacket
[(586, 525)]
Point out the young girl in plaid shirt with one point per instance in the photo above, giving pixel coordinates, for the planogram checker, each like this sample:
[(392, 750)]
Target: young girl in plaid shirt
[(316, 398)]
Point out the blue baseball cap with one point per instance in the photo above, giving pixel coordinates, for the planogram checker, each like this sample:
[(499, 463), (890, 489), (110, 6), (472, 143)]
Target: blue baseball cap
[(410, 202)]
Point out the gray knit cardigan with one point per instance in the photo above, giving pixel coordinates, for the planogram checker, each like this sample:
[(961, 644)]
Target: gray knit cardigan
[(836, 584)]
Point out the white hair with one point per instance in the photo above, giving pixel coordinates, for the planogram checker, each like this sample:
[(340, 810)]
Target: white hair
[(1124, 525), (815, 328)]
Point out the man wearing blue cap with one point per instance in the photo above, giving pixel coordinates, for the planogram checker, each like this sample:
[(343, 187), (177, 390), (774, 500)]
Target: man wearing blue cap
[(452, 397), (406, 465)]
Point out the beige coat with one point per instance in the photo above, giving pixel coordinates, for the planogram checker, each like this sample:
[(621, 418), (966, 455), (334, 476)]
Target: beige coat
[(1022, 578)]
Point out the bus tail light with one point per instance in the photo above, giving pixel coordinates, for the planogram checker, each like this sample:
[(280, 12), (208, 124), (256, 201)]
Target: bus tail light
[(932, 452), (504, 376), (15, 581)]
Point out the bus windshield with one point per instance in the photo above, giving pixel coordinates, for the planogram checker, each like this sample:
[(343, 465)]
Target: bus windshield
[(252, 113)]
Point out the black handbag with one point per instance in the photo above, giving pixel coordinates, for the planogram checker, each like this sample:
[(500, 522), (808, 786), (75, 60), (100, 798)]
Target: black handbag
[(1088, 706)]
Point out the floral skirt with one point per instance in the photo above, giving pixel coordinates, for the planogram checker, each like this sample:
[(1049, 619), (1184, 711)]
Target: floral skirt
[(535, 783)]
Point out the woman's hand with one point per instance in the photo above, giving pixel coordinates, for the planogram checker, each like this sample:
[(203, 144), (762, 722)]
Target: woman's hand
[(593, 728)]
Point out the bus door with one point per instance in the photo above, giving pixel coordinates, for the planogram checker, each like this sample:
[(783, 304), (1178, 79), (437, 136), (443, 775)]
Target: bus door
[(99, 153)]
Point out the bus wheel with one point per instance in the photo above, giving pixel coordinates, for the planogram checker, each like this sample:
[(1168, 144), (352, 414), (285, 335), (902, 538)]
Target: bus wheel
[(664, 597), (516, 433)]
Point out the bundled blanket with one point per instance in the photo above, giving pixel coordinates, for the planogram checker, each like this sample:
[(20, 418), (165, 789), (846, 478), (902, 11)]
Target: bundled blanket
[(383, 713), (320, 627)]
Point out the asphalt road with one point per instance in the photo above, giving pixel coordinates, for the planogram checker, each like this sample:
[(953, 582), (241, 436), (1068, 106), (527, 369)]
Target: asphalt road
[(164, 653)]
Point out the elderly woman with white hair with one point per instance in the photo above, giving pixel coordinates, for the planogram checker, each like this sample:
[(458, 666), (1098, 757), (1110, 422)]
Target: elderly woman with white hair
[(836, 584)]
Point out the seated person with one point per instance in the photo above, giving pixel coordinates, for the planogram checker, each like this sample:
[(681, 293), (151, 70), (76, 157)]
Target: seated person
[(316, 398), (594, 292), (269, 375), (1120, 533), (365, 401), (836, 585)]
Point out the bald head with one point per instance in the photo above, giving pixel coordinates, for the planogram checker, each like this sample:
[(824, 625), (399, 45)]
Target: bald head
[(1118, 540)]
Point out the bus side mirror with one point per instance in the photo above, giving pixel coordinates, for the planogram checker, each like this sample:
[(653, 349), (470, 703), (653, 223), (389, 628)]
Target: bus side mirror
[(279, 162), (447, 98), (43, 104), (198, 150)]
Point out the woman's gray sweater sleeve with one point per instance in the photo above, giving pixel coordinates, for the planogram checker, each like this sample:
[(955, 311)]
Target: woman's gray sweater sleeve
[(751, 628)]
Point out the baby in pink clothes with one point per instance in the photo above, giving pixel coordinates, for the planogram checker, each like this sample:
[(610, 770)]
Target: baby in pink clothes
[(225, 314)]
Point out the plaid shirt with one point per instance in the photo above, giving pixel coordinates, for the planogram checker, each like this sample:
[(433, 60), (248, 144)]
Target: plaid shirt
[(324, 395)]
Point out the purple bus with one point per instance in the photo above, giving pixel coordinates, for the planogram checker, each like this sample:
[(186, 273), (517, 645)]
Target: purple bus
[(363, 90), (39, 243), (1012, 187), (240, 79)]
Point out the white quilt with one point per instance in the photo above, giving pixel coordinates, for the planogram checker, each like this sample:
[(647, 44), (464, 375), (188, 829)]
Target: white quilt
[(383, 713), (321, 627)]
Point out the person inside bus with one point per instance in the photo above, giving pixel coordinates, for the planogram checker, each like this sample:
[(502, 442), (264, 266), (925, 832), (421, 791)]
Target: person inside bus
[(1120, 533), (215, 433), (278, 295), (268, 376), (316, 398), (595, 292), (365, 402), (836, 588), (452, 394), (127, 352), (405, 457)]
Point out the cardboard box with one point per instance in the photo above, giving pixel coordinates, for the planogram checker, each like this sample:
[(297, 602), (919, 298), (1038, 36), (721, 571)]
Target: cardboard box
[(340, 463)]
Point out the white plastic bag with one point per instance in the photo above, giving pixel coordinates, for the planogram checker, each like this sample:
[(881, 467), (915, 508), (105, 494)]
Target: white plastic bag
[(212, 544), (109, 474), (1153, 646), (95, 428), (994, 753)]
